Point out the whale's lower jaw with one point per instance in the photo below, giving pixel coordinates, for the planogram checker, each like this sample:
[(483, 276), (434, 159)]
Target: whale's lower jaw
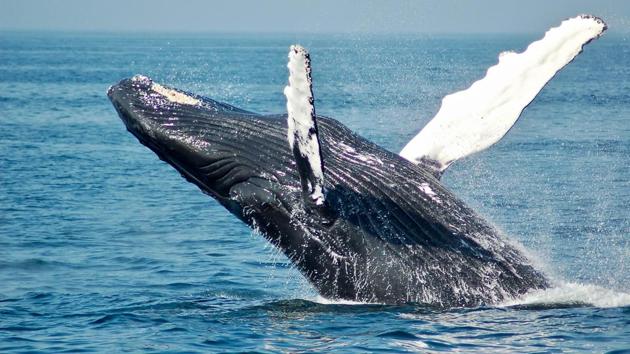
[(395, 234)]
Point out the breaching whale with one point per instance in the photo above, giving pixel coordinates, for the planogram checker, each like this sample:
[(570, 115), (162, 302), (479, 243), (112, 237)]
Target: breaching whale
[(359, 222)]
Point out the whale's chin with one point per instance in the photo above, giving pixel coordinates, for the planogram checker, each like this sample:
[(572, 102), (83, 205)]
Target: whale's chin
[(186, 132)]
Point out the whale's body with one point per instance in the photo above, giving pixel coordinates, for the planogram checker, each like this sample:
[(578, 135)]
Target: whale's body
[(361, 223), (397, 234)]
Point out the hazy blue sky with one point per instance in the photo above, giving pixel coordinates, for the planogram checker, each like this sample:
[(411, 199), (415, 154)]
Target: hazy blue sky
[(305, 16)]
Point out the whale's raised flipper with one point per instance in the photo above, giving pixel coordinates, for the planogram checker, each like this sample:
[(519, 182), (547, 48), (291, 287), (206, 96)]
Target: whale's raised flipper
[(474, 119), (302, 125)]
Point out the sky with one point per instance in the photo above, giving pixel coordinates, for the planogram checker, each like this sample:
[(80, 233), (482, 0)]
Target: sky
[(299, 16)]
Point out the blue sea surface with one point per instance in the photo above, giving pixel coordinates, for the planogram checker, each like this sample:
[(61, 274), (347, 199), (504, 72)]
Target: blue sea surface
[(104, 248)]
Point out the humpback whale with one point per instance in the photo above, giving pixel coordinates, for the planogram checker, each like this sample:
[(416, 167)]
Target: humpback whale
[(360, 222)]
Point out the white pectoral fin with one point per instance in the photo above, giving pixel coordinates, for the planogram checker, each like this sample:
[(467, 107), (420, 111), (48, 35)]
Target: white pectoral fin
[(476, 118), (302, 125)]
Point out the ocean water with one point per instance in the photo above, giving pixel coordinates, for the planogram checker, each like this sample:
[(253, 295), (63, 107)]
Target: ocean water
[(104, 248)]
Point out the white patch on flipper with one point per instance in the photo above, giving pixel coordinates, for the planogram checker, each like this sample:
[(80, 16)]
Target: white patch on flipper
[(174, 96), (301, 117), (474, 119)]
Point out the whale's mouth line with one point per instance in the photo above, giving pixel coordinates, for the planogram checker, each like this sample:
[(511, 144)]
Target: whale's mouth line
[(142, 133), (181, 169), (208, 171)]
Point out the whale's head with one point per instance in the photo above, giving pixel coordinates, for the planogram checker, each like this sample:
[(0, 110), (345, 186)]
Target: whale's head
[(240, 158)]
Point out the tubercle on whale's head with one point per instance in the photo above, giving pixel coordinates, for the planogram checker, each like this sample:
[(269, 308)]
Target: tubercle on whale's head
[(148, 110), (175, 96), (213, 145)]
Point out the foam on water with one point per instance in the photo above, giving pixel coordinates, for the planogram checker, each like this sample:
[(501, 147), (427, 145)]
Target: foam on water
[(324, 301), (569, 293), (563, 294)]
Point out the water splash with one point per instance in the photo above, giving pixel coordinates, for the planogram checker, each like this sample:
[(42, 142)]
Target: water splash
[(569, 293), (324, 301)]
